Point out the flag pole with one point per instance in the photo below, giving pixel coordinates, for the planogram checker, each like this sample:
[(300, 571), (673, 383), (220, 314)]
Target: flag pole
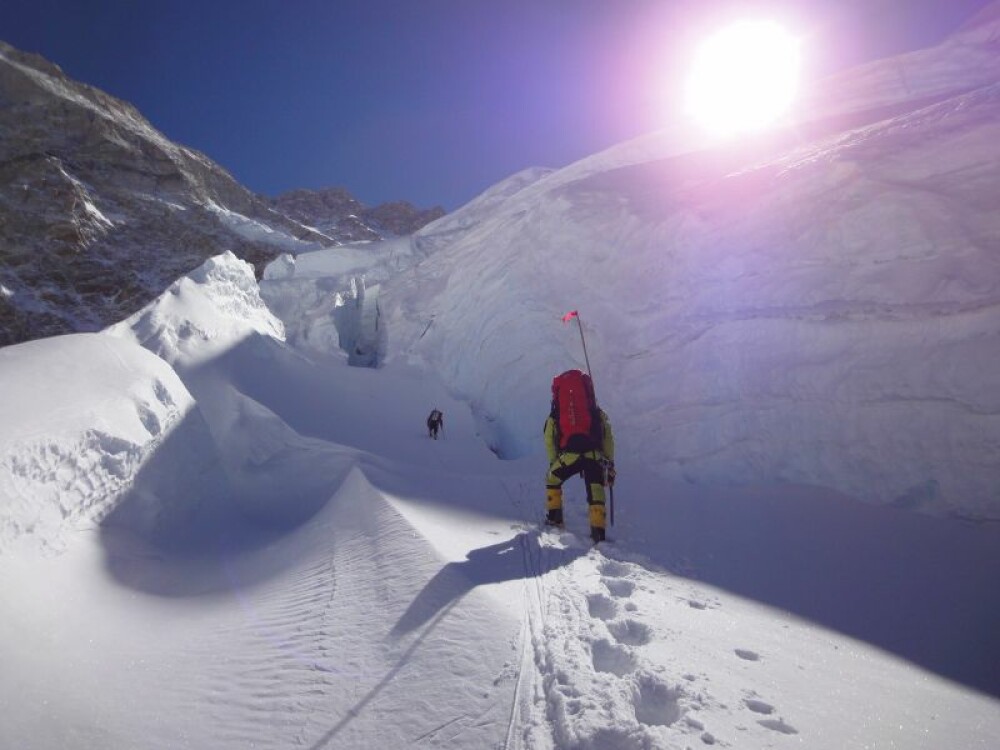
[(584, 342), (586, 358), (604, 465), (566, 318)]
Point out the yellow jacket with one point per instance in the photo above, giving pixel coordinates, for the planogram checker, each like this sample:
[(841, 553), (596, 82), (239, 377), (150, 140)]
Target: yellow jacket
[(552, 443)]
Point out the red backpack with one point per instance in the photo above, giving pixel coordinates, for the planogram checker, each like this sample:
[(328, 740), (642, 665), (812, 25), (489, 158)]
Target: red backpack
[(574, 409)]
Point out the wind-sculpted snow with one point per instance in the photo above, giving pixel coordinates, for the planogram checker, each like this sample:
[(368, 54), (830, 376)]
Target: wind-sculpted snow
[(74, 450), (202, 314)]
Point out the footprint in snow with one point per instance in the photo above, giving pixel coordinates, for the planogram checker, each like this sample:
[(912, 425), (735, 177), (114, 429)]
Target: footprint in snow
[(758, 707), (612, 658), (766, 709), (777, 725), (631, 632), (614, 569), (747, 655), (656, 703), (601, 607), (619, 587)]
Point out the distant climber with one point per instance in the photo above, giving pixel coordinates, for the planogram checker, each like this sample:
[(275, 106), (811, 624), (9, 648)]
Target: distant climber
[(578, 440), (435, 422)]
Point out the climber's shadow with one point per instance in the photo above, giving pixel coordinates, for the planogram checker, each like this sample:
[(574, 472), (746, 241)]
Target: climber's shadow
[(520, 557)]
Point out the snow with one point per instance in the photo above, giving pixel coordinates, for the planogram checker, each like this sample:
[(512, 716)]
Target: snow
[(864, 282), (256, 231), (965, 61), (200, 315), (71, 450), (217, 533), (333, 578)]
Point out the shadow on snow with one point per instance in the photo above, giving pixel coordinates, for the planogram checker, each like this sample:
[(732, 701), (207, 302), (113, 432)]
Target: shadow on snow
[(517, 558), (922, 588)]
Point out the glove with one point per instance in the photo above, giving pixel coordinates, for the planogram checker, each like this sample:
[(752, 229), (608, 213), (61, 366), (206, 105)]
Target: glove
[(610, 471)]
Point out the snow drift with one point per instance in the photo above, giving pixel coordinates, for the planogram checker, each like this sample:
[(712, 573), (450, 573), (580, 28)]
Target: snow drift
[(91, 440)]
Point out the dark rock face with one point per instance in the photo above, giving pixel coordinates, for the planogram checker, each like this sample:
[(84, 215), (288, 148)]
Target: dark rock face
[(402, 218), (331, 211), (100, 212), (335, 210)]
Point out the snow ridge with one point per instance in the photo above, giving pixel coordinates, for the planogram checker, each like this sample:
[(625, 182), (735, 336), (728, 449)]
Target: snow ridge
[(70, 461), (202, 314)]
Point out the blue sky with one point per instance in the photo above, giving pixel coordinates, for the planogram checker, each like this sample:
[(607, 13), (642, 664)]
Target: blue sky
[(430, 101)]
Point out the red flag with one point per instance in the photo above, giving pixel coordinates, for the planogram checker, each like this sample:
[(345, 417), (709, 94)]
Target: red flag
[(569, 316)]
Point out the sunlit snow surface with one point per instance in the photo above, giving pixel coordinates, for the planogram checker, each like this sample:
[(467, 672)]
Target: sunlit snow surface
[(333, 578), (246, 542), (820, 314)]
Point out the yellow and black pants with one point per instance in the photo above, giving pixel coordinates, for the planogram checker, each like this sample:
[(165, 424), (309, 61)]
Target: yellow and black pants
[(565, 466)]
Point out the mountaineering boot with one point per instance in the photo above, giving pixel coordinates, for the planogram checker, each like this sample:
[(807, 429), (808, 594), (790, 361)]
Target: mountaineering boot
[(553, 507), (597, 522)]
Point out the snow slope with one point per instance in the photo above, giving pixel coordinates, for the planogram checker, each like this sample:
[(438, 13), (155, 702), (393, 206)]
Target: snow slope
[(841, 334), (74, 448), (806, 310), (244, 620), (216, 533), (965, 61), (345, 582)]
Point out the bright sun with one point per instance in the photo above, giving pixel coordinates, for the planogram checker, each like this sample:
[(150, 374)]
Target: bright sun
[(744, 78)]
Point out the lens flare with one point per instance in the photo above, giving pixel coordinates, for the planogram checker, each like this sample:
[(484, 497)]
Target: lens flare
[(744, 78)]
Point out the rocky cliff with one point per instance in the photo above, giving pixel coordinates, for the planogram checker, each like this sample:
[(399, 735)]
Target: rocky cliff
[(100, 212), (335, 211)]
